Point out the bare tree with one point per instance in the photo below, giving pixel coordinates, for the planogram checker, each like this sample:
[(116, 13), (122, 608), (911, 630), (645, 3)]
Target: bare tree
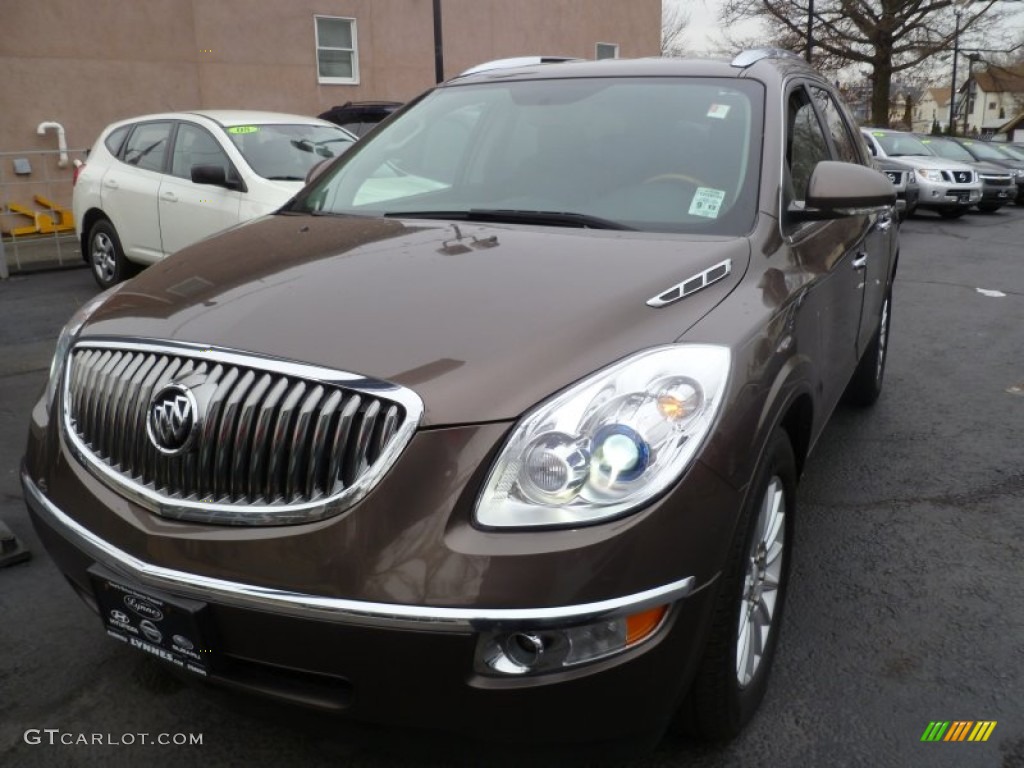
[(674, 21), (887, 36)]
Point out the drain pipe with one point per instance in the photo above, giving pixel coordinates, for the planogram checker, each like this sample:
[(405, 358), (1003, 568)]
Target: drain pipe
[(62, 143)]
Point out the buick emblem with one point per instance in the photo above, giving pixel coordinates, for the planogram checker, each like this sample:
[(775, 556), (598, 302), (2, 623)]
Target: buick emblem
[(173, 420)]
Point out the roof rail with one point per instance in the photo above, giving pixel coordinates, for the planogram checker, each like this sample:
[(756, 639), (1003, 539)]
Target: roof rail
[(746, 58), (517, 61)]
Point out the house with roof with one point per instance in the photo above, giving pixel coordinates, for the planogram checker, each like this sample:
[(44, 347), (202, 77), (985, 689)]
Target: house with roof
[(933, 107), (991, 98)]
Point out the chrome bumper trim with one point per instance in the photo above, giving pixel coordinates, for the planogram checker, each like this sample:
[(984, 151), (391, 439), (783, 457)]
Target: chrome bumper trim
[(340, 610)]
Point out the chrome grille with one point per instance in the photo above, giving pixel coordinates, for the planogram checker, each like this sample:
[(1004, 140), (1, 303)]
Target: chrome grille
[(275, 442), (996, 181)]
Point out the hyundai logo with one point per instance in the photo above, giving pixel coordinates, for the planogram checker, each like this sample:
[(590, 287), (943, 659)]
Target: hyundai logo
[(173, 420)]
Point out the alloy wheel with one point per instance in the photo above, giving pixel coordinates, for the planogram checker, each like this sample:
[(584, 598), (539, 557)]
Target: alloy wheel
[(761, 582)]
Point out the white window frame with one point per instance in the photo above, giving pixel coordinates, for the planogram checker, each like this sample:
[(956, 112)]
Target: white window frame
[(354, 80), (597, 50)]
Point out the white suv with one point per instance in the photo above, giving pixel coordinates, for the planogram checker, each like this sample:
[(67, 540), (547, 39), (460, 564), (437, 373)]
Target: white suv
[(154, 184), (946, 186)]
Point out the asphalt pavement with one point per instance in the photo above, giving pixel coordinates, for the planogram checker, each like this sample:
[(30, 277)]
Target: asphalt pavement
[(906, 604)]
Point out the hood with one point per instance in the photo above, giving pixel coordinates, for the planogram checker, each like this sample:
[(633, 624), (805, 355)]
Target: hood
[(933, 163), (481, 321)]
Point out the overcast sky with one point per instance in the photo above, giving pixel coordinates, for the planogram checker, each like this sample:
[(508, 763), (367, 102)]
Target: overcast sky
[(702, 32)]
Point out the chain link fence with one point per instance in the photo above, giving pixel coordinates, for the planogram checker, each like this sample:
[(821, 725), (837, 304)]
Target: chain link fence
[(37, 229)]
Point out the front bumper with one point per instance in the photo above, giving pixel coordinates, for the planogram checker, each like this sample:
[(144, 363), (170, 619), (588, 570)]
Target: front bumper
[(409, 665), (944, 195)]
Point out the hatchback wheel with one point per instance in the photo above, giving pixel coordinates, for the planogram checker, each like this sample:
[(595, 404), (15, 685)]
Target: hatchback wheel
[(106, 257), (733, 674)]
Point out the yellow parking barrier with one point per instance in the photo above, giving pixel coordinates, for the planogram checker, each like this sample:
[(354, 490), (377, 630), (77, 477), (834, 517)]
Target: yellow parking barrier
[(61, 220)]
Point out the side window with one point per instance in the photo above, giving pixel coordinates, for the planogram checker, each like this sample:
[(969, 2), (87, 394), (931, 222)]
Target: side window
[(116, 139), (805, 142), (147, 146), (195, 146), (841, 136)]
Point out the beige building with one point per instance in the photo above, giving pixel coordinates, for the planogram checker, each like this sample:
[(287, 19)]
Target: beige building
[(933, 107), (86, 64)]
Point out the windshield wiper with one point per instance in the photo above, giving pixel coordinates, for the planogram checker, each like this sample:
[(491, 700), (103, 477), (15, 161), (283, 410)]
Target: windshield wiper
[(286, 178), (550, 218)]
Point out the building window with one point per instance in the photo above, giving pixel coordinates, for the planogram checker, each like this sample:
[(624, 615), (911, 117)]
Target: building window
[(607, 51), (337, 58), (991, 105)]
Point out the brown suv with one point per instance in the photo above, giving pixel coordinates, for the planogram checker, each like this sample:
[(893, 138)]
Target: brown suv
[(496, 426)]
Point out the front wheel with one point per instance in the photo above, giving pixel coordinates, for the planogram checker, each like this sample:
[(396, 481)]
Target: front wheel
[(952, 213), (989, 207), (106, 256), (733, 674)]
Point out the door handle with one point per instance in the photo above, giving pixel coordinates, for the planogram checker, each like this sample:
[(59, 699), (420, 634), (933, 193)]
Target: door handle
[(111, 183), (170, 197), (860, 261), (884, 221)]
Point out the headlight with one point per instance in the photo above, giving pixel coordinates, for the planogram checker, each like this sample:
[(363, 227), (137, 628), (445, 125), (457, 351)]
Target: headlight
[(67, 337), (929, 175), (609, 443), (1019, 173)]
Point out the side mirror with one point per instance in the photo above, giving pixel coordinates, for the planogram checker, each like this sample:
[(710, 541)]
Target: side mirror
[(839, 189), (214, 175)]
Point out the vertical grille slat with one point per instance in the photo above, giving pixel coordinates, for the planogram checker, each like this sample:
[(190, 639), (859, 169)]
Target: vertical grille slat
[(261, 454), (314, 469), (361, 447), (332, 480), (299, 452), (280, 442), (92, 395), (243, 436), (205, 486), (104, 413), (118, 410), (269, 437), (224, 456)]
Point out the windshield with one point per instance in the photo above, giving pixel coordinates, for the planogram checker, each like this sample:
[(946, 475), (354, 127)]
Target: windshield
[(949, 150), (1012, 152), (653, 154), (986, 152), (900, 144), (287, 152)]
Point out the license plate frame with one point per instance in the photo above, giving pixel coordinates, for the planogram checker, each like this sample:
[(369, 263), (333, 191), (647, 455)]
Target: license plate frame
[(175, 630)]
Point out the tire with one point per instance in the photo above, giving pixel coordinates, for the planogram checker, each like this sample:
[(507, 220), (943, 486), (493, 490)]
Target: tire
[(989, 207), (866, 384), (729, 683), (952, 213), (106, 256)]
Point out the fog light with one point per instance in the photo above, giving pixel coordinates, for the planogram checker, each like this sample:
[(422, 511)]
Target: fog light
[(529, 652)]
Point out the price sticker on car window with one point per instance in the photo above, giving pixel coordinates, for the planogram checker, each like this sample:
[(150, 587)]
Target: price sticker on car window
[(244, 129), (707, 202), (718, 111)]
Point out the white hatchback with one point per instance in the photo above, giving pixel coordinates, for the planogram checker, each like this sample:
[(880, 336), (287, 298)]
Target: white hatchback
[(154, 184)]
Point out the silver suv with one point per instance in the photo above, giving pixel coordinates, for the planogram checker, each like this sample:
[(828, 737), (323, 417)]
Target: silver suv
[(946, 186)]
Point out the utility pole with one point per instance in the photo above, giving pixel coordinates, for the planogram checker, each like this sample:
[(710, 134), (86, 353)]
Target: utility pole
[(438, 44), (952, 88), (810, 28)]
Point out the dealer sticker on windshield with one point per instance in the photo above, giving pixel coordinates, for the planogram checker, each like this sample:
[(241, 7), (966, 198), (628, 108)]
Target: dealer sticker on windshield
[(707, 202), (244, 129), (718, 111)]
